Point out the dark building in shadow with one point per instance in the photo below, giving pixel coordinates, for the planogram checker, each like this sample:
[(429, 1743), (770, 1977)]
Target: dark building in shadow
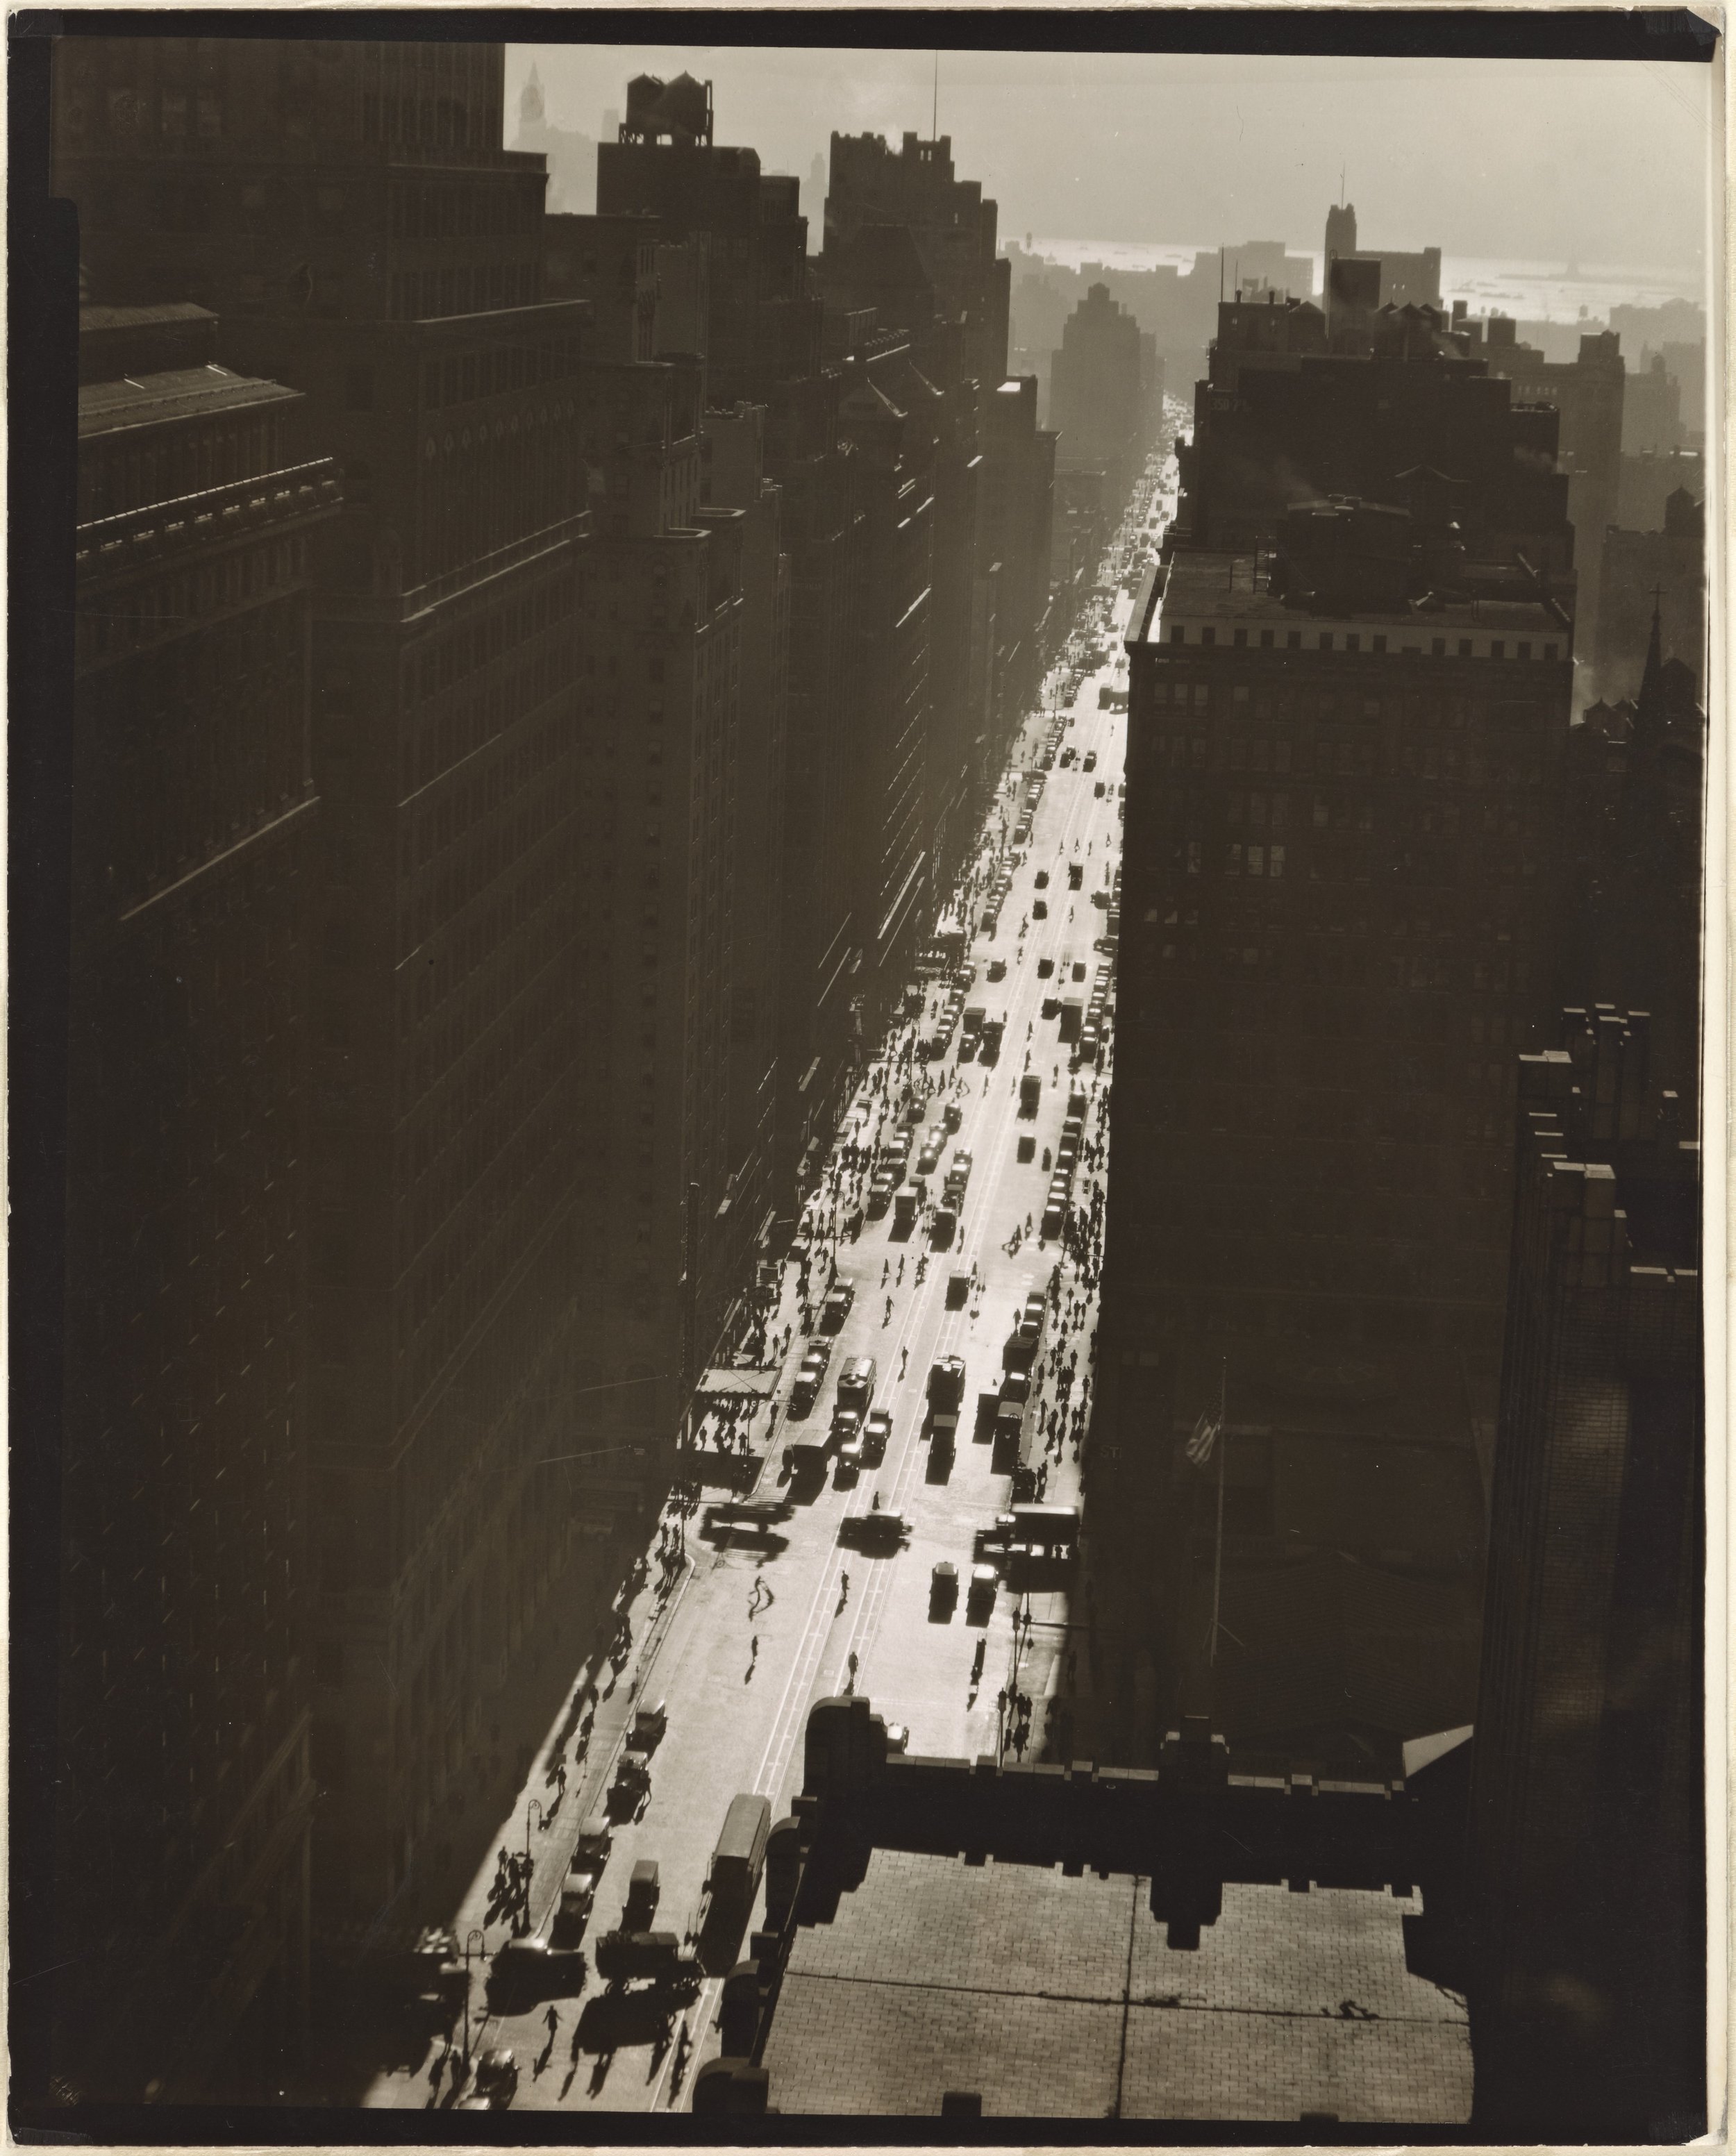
[(184, 1794), (1341, 900), (1097, 397), (1661, 569), (1586, 1878), (349, 209)]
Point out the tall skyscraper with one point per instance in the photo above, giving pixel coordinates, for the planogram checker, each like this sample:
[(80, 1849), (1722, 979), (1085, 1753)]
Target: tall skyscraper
[(1096, 398), (1585, 1875), (184, 1794), (353, 204), (1339, 909)]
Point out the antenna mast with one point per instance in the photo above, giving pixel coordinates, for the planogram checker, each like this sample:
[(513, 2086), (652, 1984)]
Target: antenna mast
[(934, 117)]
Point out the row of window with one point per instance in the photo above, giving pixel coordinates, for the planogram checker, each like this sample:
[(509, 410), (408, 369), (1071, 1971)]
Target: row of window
[(433, 295), (497, 370), (1348, 756), (1266, 700), (1327, 639)]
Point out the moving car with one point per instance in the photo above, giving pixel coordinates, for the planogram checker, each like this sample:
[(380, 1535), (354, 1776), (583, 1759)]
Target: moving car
[(1091, 760), (876, 1435), (943, 1590), (946, 1390), (496, 2081), (952, 1115), (997, 969), (847, 1441)]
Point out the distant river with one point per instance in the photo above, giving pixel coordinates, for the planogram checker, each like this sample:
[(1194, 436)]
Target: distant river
[(1530, 291)]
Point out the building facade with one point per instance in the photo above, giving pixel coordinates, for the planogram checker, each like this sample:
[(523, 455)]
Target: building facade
[(185, 1794), (1097, 399), (1662, 571), (1586, 1878), (1339, 909), (351, 205)]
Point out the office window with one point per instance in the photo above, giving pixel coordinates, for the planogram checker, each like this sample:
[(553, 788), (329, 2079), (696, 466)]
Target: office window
[(1550, 651), (1232, 860), (1352, 643), (1199, 752), (1464, 647), (1326, 639), (1178, 634), (1193, 857), (1256, 860), (1240, 640), (1498, 649), (1266, 639), (1524, 651), (1438, 648), (1380, 644), (1160, 692), (1277, 862), (1292, 642), (1200, 696)]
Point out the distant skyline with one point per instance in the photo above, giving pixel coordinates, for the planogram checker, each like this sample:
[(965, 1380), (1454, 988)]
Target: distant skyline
[(1599, 161)]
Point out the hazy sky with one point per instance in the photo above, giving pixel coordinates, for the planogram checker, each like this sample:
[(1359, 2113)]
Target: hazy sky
[(1603, 161)]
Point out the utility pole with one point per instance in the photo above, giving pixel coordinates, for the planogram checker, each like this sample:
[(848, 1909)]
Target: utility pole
[(1217, 1569), (934, 117), (690, 1334)]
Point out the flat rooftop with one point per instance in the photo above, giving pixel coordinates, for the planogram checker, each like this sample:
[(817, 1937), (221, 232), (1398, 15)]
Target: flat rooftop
[(1231, 593), (1057, 1996), (183, 393)]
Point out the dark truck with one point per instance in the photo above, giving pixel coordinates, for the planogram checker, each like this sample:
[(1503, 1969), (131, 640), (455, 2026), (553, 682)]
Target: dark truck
[(736, 1862), (946, 1396)]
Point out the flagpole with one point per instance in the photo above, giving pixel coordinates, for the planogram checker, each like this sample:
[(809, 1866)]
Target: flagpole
[(1217, 1569)]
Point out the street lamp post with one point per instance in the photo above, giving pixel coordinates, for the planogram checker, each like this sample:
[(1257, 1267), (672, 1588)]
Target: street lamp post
[(534, 1805), (481, 1940)]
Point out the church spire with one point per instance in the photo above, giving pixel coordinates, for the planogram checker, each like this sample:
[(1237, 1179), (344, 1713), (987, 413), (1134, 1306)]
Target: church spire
[(530, 102), (1654, 649)]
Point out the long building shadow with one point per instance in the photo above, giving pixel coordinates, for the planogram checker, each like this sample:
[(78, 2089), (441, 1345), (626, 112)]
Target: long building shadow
[(377, 2015)]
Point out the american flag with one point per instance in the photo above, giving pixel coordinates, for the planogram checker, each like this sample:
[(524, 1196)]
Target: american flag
[(1204, 1437)]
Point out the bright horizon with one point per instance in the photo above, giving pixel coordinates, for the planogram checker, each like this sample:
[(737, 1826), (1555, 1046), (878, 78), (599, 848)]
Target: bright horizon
[(1526, 162)]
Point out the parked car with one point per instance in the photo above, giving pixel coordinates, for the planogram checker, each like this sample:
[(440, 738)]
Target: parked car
[(943, 1590), (836, 1307), (898, 1737)]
